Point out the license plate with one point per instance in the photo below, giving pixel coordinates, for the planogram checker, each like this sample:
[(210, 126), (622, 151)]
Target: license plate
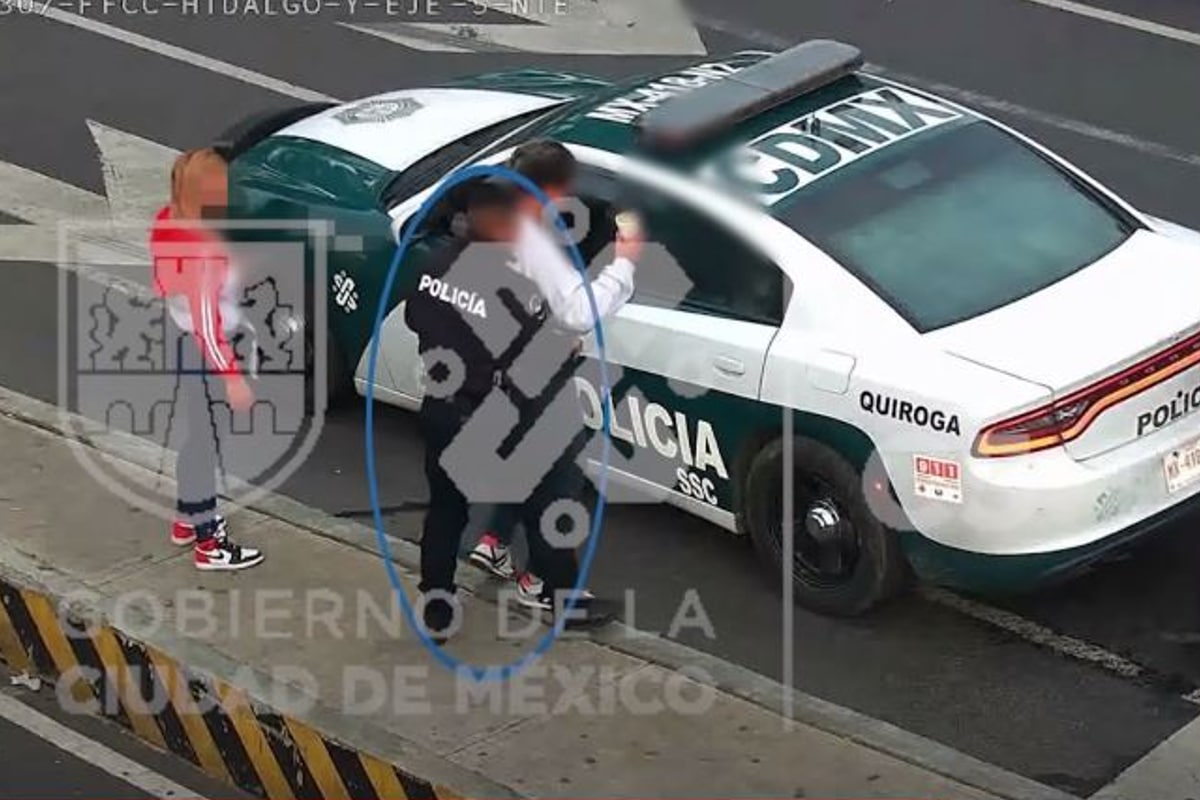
[(1182, 467)]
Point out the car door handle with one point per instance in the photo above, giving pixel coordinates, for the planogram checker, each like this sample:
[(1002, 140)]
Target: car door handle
[(729, 366)]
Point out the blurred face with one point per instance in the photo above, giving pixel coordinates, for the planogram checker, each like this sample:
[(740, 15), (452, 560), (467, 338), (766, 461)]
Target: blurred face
[(204, 188), (493, 223), (212, 193)]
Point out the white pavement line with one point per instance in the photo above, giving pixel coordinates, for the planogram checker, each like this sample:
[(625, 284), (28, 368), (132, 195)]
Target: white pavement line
[(969, 97), (179, 54), (413, 42), (43, 200), (972, 98), (762, 38), (598, 27), (1124, 20), (29, 243), (137, 172), (92, 752), (1034, 632)]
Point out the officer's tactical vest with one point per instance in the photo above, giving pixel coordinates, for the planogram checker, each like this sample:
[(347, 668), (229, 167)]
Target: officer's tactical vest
[(470, 302)]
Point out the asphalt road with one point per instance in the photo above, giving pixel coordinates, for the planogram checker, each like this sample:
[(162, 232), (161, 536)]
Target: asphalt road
[(36, 767), (1117, 101)]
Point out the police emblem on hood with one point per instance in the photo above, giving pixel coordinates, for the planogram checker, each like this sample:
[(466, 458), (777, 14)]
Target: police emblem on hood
[(378, 111)]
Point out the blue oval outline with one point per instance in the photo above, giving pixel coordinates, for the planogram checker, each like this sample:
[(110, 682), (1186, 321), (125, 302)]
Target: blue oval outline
[(500, 672)]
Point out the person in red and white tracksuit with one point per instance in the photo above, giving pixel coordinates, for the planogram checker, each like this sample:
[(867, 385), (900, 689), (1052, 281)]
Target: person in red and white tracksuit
[(194, 276)]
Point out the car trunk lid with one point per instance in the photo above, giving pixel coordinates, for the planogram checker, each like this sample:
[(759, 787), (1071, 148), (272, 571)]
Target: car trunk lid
[(1120, 330)]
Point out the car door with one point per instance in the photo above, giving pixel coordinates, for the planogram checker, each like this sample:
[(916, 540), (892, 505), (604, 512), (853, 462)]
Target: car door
[(289, 179), (687, 353)]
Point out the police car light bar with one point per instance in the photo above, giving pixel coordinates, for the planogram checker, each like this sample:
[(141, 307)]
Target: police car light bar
[(778, 79)]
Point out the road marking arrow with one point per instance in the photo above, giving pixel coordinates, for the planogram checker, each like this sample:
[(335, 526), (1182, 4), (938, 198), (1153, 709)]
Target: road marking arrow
[(567, 27), (43, 200), (137, 172), (136, 179), (29, 243)]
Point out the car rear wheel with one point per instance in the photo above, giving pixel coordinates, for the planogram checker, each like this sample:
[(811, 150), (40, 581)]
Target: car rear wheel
[(845, 561), (339, 382)]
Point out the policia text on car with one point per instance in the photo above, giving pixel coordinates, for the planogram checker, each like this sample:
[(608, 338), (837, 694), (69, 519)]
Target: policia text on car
[(499, 418)]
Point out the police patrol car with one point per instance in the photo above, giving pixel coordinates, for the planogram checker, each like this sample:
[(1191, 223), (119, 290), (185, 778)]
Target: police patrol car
[(966, 356)]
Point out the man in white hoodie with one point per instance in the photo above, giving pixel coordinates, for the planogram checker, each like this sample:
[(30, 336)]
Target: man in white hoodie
[(540, 257)]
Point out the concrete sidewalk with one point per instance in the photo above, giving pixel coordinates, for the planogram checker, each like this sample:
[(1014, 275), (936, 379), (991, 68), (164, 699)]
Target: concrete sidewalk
[(318, 622)]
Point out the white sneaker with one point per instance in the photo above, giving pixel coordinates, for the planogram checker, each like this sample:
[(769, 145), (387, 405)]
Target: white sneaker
[(493, 557), (219, 554), (531, 592)]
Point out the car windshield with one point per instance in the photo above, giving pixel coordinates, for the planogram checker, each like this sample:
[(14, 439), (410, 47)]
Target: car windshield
[(956, 223)]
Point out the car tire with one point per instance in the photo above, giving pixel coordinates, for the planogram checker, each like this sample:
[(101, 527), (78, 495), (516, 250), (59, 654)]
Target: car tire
[(339, 382), (828, 486)]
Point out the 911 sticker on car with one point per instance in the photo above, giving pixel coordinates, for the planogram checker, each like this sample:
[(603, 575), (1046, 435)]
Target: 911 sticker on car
[(937, 479), (785, 160)]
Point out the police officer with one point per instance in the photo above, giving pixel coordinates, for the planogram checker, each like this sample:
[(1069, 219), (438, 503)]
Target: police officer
[(459, 373)]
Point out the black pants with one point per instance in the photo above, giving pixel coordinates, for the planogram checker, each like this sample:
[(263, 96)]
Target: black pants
[(450, 510), (566, 480), (197, 459)]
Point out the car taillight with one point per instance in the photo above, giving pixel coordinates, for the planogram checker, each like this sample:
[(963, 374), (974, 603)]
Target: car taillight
[(1047, 426), (1059, 422)]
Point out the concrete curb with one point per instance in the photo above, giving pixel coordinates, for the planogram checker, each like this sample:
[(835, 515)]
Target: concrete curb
[(731, 678), (236, 723)]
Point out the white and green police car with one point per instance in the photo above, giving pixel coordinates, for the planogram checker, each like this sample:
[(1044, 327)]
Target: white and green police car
[(968, 357)]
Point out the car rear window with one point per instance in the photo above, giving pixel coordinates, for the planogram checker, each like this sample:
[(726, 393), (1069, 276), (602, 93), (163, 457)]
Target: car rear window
[(426, 172), (956, 223)]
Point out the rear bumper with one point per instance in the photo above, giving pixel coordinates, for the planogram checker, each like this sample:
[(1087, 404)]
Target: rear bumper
[(1029, 520), (1048, 502), (963, 569)]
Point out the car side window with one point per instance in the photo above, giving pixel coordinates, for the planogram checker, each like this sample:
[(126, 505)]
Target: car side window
[(701, 266), (425, 172)]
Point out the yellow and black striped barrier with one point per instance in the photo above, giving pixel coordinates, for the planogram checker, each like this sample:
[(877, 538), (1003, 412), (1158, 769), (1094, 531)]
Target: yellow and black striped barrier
[(210, 723)]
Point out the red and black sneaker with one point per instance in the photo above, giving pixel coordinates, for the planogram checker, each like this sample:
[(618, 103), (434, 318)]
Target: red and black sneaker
[(490, 555), (218, 553), (532, 593), (184, 533)]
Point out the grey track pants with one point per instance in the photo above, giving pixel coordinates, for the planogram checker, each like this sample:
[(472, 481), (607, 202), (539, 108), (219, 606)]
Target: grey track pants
[(196, 465)]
